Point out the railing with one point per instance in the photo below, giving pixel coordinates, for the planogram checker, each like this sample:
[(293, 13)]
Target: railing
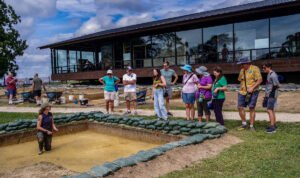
[(201, 58)]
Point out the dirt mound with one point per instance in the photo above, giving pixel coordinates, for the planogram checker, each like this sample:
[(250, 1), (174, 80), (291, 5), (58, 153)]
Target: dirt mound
[(40, 170), (178, 158)]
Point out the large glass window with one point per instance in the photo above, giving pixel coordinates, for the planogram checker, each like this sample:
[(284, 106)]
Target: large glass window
[(106, 56), (73, 60), (285, 36), (188, 45), (163, 46), (218, 42), (250, 39), (61, 61), (142, 52)]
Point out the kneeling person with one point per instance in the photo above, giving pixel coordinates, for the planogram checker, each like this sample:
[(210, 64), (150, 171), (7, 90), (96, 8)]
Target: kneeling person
[(45, 127)]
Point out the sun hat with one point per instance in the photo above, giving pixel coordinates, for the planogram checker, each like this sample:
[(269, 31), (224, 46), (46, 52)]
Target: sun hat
[(109, 71), (44, 105), (187, 68), (202, 70), (244, 60), (128, 68)]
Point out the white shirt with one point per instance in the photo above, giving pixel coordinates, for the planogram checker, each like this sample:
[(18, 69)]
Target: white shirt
[(129, 87)]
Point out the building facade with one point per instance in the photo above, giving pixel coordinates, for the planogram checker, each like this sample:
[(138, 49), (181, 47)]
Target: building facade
[(267, 30)]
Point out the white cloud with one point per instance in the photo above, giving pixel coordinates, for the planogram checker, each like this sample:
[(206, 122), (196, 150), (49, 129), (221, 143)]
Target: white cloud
[(76, 8), (60, 37)]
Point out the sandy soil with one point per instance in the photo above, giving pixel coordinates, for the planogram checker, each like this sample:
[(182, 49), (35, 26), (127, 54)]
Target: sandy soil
[(178, 158)]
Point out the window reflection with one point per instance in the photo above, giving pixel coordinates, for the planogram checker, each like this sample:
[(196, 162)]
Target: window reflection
[(285, 36), (217, 40), (106, 57), (163, 45), (142, 52)]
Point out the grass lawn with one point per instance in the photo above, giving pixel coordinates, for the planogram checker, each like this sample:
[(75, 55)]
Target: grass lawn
[(12, 116), (260, 155)]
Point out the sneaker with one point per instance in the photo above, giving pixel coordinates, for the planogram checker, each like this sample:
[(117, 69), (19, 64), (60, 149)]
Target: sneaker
[(252, 129), (158, 118), (167, 120), (242, 127), (40, 152), (135, 113), (271, 129), (107, 113), (127, 113), (170, 114), (112, 112)]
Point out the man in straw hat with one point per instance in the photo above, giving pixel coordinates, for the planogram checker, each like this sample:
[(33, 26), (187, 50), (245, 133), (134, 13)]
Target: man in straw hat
[(250, 79)]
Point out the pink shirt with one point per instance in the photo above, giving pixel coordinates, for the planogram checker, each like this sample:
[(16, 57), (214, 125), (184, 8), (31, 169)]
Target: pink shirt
[(189, 87), (11, 86)]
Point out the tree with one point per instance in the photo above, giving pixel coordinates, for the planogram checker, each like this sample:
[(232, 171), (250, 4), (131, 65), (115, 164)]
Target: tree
[(11, 45)]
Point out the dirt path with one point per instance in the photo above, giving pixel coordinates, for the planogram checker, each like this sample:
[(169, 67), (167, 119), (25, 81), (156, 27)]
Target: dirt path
[(178, 158), (280, 116)]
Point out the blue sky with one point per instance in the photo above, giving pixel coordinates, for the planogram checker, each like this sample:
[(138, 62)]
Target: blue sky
[(48, 21)]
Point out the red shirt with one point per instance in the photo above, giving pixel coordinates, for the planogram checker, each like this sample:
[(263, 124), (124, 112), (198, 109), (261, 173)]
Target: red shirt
[(11, 86)]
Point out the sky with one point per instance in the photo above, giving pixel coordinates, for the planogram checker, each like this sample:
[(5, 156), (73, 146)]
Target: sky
[(49, 21)]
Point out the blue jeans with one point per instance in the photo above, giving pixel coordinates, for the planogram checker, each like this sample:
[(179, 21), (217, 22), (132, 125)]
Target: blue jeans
[(159, 104)]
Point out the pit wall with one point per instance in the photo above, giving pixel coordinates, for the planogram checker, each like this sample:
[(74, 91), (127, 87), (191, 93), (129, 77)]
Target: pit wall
[(190, 132)]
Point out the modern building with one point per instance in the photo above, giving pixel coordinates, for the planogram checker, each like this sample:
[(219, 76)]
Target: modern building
[(265, 30)]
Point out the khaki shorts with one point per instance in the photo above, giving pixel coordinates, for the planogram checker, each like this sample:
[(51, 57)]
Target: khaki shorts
[(109, 95), (130, 96)]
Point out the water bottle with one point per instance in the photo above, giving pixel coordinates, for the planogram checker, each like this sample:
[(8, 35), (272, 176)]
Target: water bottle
[(201, 97), (76, 101)]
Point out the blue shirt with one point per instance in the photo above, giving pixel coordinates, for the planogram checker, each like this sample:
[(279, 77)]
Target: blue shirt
[(109, 83)]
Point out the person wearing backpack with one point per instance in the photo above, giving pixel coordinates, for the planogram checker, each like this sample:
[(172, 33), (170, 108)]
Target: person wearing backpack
[(188, 93), (109, 83)]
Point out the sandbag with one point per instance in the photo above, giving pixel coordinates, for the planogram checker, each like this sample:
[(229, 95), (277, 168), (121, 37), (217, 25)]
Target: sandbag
[(191, 125), (2, 132), (167, 128), (173, 123), (210, 136), (185, 129), (185, 133), (210, 125), (141, 126), (150, 127), (198, 138), (112, 166), (124, 162), (10, 128), (3, 126), (195, 131), (16, 123), (215, 131), (159, 128), (183, 123), (81, 175), (99, 171), (177, 127), (144, 156), (175, 132), (159, 123), (200, 124)]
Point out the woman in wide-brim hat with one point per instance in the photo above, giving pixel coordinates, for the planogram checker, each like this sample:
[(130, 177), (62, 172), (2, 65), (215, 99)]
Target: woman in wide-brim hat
[(188, 94), (45, 127)]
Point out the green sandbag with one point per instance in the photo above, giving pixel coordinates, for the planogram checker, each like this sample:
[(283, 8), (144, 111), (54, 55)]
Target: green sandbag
[(99, 171), (167, 128), (112, 166), (141, 126), (3, 126), (222, 128), (123, 122), (165, 131), (2, 132), (159, 128), (16, 123), (144, 156), (210, 125), (159, 123), (210, 136), (81, 175), (149, 122), (129, 122), (215, 131), (135, 123), (185, 129), (198, 138), (124, 162), (177, 127), (32, 125), (200, 124), (183, 123), (152, 127), (175, 132), (185, 133), (191, 125), (185, 142), (173, 123), (22, 127), (195, 131), (10, 128)]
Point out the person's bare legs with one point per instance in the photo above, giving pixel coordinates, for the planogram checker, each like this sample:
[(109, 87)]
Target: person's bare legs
[(200, 118), (107, 105), (192, 109), (272, 117), (242, 114), (187, 111), (134, 105), (252, 116), (128, 105), (167, 100), (111, 105), (10, 99), (207, 118)]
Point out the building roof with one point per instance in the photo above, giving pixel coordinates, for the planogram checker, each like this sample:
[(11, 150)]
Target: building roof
[(157, 23)]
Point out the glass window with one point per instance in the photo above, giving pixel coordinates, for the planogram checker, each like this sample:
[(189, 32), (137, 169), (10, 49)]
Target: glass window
[(250, 38), (142, 52), (285, 36), (89, 55), (188, 43), (106, 57), (163, 45), (217, 40), (73, 60), (61, 56)]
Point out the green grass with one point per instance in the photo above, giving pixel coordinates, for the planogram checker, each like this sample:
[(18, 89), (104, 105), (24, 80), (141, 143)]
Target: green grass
[(6, 117), (260, 155)]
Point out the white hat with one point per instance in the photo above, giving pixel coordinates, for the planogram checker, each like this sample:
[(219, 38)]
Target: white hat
[(109, 71)]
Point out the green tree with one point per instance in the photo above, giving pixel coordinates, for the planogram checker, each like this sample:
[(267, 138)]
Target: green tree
[(11, 45)]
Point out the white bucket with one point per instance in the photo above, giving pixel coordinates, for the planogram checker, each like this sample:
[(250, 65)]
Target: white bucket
[(71, 97), (63, 100), (116, 101), (44, 100), (81, 97)]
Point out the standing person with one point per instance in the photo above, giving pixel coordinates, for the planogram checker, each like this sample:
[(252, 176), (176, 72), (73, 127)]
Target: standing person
[(11, 87), (203, 94), (37, 84), (157, 94), (218, 92), (188, 94), (129, 81), (270, 99), (225, 53), (109, 82), (250, 79), (168, 74), (45, 127)]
